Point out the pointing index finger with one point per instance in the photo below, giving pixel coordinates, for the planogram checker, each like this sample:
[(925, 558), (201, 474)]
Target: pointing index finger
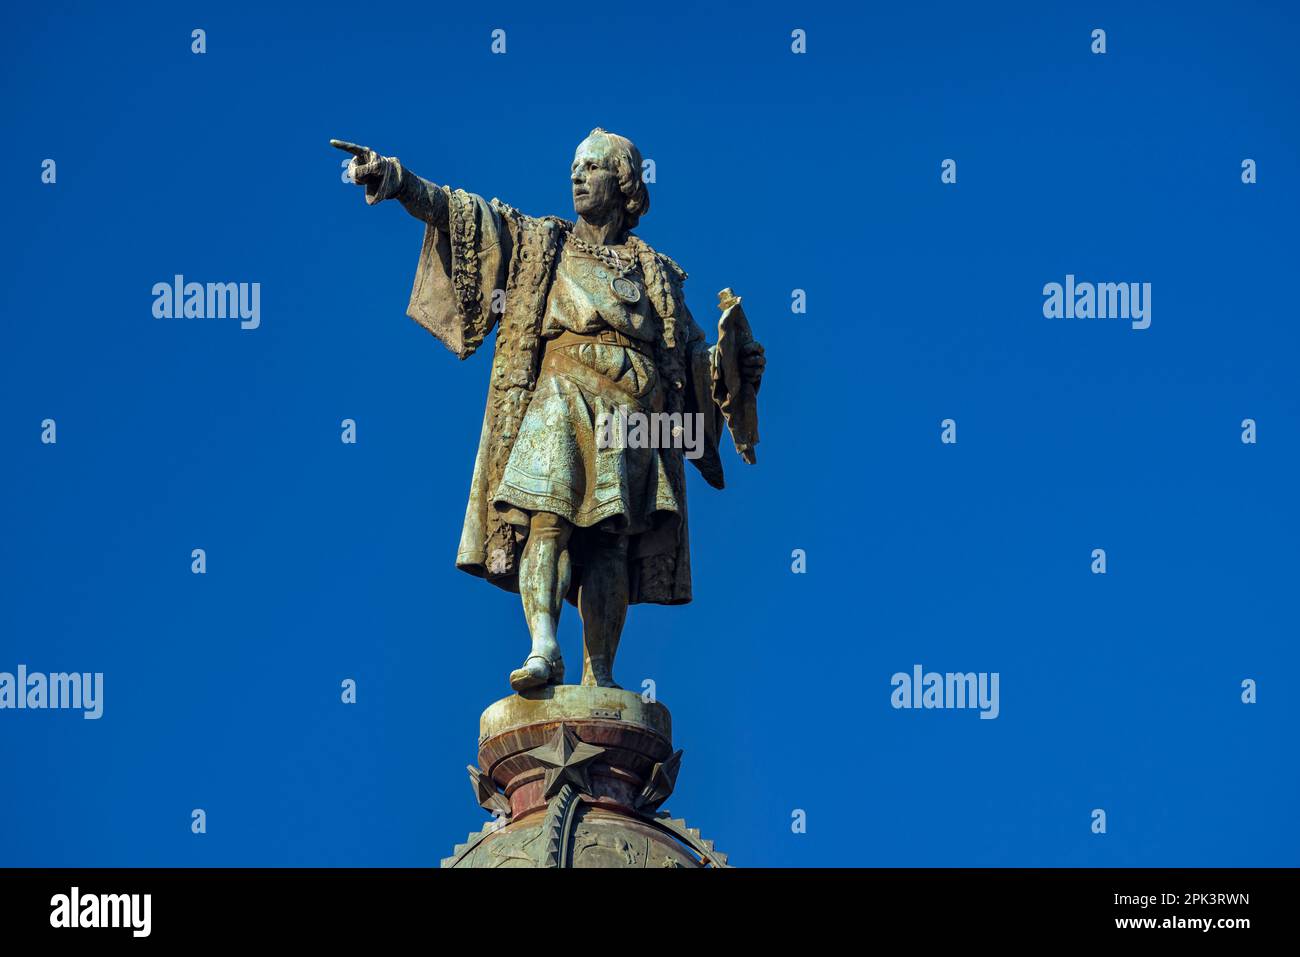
[(360, 152)]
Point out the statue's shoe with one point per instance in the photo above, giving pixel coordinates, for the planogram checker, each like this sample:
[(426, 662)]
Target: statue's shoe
[(537, 671)]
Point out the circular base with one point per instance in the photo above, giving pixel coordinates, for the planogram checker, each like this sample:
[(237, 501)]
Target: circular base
[(573, 702), (631, 734), (583, 771)]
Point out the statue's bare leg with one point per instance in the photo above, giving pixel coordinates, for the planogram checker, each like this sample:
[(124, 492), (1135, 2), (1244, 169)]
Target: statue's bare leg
[(602, 603), (544, 572)]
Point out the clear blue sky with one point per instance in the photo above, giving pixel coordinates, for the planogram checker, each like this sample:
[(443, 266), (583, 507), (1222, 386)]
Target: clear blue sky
[(774, 172)]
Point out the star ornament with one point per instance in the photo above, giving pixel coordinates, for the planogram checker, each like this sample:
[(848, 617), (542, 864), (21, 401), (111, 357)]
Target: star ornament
[(566, 759)]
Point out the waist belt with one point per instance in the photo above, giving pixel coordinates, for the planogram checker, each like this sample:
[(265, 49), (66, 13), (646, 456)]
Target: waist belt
[(610, 336)]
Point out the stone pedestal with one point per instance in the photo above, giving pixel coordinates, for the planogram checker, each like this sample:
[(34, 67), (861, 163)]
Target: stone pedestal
[(575, 777)]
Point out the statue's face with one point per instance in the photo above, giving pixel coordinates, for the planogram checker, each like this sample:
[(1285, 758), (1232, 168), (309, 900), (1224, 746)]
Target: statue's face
[(595, 182)]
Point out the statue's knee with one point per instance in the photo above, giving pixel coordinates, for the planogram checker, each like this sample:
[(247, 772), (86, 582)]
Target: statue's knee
[(549, 527)]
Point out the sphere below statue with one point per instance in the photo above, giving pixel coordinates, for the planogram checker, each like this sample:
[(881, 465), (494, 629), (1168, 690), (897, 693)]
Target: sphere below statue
[(574, 777)]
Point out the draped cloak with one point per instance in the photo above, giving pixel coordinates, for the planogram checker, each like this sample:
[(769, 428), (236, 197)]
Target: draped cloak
[(493, 267)]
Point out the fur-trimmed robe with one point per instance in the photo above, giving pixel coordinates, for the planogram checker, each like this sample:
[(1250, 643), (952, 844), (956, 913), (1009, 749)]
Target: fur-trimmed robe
[(488, 248)]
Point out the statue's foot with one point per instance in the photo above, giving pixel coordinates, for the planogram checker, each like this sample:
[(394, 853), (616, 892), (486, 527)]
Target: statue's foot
[(537, 671)]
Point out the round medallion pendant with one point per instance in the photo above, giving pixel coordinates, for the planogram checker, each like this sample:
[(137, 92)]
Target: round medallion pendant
[(625, 289)]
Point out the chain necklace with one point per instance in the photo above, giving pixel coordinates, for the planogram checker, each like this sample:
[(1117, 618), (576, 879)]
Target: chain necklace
[(622, 287)]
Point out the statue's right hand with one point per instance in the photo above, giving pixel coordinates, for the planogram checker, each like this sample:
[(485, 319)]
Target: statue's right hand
[(367, 168)]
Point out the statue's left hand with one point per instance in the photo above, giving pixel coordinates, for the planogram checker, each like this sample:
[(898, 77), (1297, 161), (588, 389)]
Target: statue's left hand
[(752, 363)]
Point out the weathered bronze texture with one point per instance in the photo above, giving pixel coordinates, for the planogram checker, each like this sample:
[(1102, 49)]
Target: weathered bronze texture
[(602, 387), (590, 322)]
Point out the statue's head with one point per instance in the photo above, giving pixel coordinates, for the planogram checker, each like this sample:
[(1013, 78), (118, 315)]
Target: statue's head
[(606, 177)]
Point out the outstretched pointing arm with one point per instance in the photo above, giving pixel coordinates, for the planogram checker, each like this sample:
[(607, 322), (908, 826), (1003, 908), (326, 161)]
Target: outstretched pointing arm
[(384, 178)]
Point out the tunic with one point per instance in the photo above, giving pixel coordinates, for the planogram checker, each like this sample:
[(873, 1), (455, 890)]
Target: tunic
[(556, 464)]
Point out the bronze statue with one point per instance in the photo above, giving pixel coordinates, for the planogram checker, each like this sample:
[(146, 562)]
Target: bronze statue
[(592, 324)]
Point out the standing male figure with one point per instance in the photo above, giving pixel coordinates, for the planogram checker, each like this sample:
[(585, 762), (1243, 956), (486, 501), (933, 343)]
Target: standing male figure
[(591, 321)]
